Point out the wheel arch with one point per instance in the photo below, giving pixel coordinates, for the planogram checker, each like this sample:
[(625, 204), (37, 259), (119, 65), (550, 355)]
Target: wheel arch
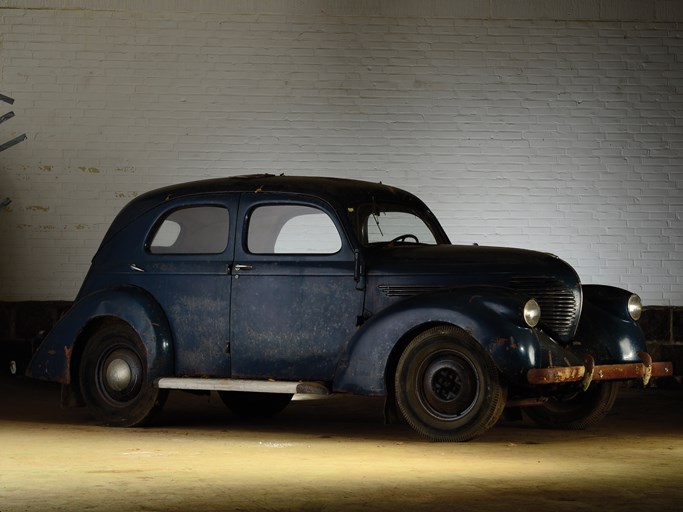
[(490, 316), (58, 357)]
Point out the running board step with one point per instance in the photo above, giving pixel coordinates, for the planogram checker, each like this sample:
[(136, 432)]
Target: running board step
[(253, 386)]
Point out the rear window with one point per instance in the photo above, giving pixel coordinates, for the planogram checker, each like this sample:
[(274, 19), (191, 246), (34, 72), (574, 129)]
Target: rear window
[(192, 230)]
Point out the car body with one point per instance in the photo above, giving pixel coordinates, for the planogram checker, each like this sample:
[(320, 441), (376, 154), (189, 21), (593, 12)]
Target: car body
[(262, 286)]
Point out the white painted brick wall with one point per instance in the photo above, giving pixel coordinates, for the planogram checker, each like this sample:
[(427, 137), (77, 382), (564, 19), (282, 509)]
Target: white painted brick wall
[(564, 136)]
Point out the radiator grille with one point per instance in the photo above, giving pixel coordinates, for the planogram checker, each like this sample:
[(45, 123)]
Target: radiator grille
[(560, 305)]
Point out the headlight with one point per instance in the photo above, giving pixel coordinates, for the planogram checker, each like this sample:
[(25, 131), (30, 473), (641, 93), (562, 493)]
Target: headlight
[(635, 307), (532, 313)]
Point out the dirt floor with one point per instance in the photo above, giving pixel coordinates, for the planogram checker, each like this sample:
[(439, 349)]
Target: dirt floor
[(333, 454)]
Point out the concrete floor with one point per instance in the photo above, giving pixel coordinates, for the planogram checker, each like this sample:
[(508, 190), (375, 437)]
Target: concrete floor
[(334, 454)]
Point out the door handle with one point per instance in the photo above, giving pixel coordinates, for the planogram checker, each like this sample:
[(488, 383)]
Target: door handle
[(241, 266)]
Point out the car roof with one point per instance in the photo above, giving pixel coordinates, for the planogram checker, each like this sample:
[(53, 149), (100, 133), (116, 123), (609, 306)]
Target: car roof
[(323, 187), (339, 192)]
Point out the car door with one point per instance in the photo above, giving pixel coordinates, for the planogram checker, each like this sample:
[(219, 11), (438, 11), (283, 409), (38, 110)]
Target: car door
[(185, 266), (294, 298)]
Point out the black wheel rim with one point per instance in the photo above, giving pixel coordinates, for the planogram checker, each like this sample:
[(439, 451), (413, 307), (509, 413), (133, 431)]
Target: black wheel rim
[(119, 375), (448, 385)]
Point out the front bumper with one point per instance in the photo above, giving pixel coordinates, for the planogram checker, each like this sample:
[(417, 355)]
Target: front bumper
[(589, 372)]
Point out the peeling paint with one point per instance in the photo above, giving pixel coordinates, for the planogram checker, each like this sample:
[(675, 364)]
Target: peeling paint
[(125, 195), (90, 170), (46, 168), (37, 208)]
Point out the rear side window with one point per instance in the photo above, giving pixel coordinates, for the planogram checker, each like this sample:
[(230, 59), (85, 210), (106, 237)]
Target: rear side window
[(192, 230), (292, 229)]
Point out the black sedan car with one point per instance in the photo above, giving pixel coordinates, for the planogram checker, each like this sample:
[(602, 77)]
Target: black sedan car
[(259, 287)]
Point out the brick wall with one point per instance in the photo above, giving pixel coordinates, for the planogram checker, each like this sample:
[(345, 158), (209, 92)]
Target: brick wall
[(549, 125)]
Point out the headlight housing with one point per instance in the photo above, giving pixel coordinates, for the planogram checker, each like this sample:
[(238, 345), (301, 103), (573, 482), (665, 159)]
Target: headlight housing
[(635, 307), (532, 313)]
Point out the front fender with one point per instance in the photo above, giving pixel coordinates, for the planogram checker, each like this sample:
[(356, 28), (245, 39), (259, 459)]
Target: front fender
[(606, 331), (53, 359), (491, 315)]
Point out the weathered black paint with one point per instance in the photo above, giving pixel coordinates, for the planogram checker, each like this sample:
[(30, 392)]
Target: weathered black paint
[(340, 319)]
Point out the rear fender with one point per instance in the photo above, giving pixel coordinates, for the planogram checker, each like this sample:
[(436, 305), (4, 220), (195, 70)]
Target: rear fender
[(55, 356), (491, 316)]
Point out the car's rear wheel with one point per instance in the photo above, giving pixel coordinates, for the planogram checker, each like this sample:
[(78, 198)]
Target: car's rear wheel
[(447, 386), (577, 411), (255, 405), (114, 380)]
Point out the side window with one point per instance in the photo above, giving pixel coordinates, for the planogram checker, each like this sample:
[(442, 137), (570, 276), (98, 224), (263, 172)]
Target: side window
[(192, 230), (292, 229)]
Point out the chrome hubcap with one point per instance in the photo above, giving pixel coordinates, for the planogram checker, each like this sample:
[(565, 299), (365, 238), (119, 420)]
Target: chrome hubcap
[(118, 375)]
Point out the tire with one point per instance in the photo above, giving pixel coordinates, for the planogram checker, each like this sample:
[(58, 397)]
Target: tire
[(114, 378), (255, 405), (578, 411), (447, 386)]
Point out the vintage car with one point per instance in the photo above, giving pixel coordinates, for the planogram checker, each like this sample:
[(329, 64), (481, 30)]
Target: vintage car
[(260, 287)]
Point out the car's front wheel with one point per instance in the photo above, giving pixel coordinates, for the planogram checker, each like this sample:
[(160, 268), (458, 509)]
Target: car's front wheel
[(114, 380), (577, 411), (447, 386)]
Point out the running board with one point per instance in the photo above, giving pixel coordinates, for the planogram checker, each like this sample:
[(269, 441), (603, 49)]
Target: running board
[(252, 386)]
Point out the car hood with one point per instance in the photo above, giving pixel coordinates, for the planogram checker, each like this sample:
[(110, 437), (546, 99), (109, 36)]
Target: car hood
[(403, 270), (469, 264)]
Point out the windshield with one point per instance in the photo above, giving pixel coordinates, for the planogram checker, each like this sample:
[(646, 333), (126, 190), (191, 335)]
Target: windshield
[(389, 223)]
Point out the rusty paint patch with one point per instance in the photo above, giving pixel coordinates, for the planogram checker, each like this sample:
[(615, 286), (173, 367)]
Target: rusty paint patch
[(37, 208), (90, 170), (67, 355), (555, 375), (508, 343), (46, 168)]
